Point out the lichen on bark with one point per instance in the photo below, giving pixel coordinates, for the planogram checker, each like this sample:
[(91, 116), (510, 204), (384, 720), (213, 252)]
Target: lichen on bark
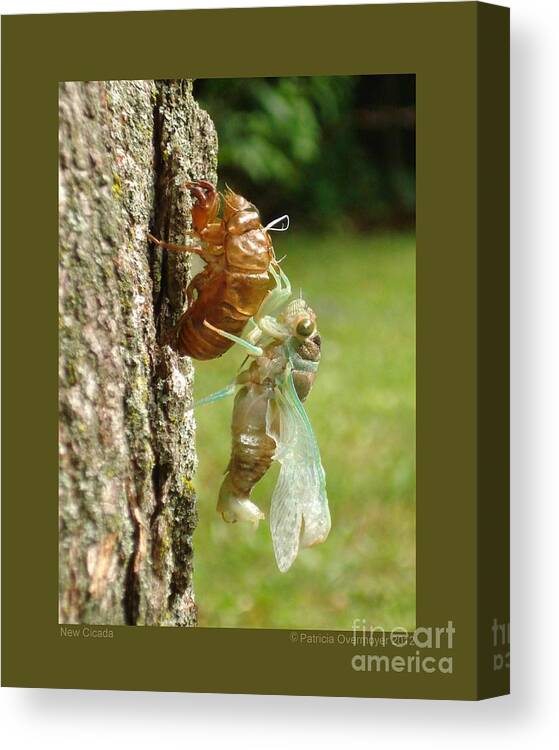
[(127, 508)]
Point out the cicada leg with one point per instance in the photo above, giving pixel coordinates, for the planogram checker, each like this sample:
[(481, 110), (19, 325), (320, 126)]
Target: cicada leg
[(198, 283), (278, 297), (208, 254), (256, 351), (229, 390), (205, 209), (172, 246)]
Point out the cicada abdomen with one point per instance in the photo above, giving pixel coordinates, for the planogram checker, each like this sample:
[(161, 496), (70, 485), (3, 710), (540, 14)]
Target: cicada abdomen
[(252, 452)]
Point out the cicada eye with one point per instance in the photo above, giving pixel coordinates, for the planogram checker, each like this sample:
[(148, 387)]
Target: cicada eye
[(305, 327)]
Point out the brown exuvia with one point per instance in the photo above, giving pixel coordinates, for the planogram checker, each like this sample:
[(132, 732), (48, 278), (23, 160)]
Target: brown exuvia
[(231, 288)]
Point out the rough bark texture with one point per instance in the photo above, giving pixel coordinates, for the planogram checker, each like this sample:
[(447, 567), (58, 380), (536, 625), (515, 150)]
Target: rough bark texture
[(127, 508)]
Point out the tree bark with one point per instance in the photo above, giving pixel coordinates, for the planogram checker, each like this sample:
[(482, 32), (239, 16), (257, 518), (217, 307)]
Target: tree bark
[(127, 454)]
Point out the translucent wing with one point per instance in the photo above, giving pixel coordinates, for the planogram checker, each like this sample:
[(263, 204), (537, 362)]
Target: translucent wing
[(299, 512)]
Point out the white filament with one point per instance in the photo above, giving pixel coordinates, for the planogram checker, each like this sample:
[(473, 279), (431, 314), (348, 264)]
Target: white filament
[(271, 227)]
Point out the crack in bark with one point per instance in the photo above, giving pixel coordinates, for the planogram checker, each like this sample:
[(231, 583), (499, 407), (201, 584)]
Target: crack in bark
[(157, 257), (159, 473), (131, 600)]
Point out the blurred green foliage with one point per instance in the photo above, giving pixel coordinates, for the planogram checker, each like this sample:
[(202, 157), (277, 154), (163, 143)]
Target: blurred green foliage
[(362, 408), (332, 151)]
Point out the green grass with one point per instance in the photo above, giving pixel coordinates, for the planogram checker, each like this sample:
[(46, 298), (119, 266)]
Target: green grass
[(362, 408)]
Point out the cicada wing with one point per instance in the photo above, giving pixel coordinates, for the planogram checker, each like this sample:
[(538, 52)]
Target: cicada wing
[(299, 512), (285, 511)]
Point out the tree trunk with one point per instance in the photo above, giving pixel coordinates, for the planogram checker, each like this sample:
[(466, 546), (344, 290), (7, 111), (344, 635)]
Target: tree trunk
[(127, 507)]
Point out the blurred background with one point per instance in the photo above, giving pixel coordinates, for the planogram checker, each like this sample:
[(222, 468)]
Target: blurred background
[(338, 155), (335, 152)]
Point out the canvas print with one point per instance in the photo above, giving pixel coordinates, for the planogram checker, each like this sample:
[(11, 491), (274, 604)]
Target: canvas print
[(282, 421), (237, 352)]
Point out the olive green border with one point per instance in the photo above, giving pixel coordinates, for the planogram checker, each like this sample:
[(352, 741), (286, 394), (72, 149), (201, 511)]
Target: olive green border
[(493, 537), (437, 42)]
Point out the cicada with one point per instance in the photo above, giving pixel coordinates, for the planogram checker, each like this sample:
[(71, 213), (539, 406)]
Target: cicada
[(269, 423), (238, 253)]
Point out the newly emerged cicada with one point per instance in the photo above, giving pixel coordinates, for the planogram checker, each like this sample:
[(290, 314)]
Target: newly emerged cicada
[(269, 423)]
